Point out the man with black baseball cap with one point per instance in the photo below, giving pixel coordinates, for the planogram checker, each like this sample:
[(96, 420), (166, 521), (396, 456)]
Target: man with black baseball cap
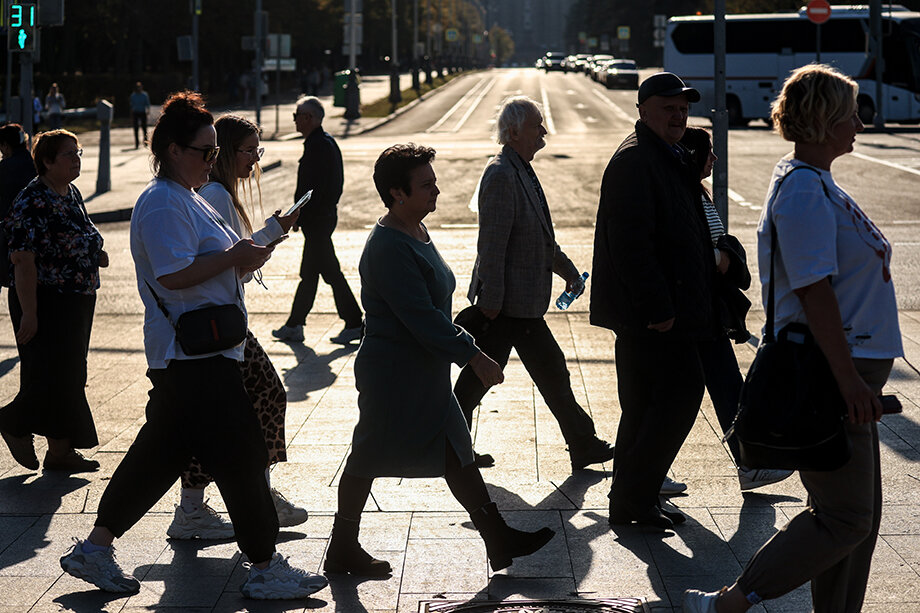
[(652, 272)]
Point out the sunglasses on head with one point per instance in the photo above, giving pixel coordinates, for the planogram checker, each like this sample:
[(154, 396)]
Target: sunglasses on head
[(209, 154)]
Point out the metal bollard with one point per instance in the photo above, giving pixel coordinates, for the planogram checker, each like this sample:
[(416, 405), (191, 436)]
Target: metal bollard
[(104, 112)]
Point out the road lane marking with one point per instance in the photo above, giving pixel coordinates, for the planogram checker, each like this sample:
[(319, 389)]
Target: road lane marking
[(614, 107), (869, 158), (738, 198), (454, 108), (547, 113), (475, 105)]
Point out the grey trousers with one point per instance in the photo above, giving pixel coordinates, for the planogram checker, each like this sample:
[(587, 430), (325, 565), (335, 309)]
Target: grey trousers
[(831, 542)]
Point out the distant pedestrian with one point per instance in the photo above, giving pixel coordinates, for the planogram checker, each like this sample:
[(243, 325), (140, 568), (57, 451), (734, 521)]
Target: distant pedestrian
[(37, 109), (319, 169), (17, 169), (140, 106), (198, 406), (410, 424), (720, 367), (832, 271), (54, 107), (313, 81), (245, 87), (56, 253), (229, 183), (653, 271), (512, 278)]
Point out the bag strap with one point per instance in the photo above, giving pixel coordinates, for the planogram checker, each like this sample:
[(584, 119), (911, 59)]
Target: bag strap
[(769, 335), (163, 307)]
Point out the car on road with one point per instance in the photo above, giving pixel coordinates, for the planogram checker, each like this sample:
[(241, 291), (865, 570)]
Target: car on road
[(600, 69), (592, 62), (553, 60), (621, 73)]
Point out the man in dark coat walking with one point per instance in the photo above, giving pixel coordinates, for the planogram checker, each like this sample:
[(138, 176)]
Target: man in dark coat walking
[(653, 267)]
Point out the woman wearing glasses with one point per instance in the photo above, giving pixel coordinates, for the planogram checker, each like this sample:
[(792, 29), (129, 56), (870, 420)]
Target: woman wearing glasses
[(231, 178), (198, 407), (56, 252)]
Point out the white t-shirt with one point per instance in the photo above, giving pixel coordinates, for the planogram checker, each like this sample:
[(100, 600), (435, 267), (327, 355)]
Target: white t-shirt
[(219, 198), (170, 227), (819, 237)]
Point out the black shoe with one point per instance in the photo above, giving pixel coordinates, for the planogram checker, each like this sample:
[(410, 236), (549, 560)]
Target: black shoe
[(653, 517), (22, 448), (677, 518), (345, 554), (483, 460), (71, 462), (593, 452), (503, 543)]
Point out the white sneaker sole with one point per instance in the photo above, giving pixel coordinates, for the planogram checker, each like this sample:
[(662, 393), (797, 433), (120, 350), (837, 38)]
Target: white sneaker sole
[(282, 592), (75, 569)]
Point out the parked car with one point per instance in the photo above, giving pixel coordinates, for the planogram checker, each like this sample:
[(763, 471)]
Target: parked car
[(621, 73), (568, 64), (553, 60), (579, 65)]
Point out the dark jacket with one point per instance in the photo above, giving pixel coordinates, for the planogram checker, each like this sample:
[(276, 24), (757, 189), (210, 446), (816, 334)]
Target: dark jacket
[(731, 304), (652, 249), (320, 169)]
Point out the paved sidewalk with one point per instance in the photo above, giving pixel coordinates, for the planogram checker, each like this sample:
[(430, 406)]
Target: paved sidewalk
[(416, 524)]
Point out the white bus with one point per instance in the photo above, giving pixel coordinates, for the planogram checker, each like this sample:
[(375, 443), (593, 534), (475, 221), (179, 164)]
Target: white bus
[(762, 49)]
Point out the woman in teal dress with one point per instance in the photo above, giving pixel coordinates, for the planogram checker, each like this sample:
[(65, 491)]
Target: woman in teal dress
[(410, 424)]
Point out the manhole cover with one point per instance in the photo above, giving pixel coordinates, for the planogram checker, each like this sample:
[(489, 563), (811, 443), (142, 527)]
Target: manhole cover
[(604, 605)]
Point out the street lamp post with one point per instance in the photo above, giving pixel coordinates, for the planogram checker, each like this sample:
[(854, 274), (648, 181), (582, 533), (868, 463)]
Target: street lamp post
[(395, 95)]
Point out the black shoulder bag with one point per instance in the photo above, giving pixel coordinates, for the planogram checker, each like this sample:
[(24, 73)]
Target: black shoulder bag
[(791, 414), (210, 329)]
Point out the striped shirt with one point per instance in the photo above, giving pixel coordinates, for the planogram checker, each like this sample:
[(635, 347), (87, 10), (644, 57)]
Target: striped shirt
[(716, 229)]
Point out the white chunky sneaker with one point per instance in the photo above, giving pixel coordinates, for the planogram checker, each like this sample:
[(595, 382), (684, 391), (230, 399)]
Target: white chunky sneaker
[(99, 568), (205, 523), (758, 477), (281, 581), (696, 601), (289, 514), (669, 487), (289, 333)]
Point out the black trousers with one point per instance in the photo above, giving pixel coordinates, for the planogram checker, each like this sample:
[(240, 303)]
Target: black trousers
[(723, 382), (660, 385), (545, 363), (52, 370), (139, 120), (197, 408), (319, 259)]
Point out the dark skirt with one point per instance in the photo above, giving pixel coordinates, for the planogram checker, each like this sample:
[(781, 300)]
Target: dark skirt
[(52, 379)]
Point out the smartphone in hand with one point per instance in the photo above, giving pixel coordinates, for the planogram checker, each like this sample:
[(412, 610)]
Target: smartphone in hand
[(890, 404), (281, 238)]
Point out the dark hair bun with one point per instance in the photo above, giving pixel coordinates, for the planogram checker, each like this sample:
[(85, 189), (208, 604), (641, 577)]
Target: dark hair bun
[(184, 102)]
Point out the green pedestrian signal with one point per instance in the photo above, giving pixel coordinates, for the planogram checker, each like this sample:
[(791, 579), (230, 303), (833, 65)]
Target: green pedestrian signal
[(21, 26)]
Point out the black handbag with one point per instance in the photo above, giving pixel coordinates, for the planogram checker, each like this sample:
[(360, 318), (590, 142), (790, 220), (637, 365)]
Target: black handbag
[(210, 329), (791, 414)]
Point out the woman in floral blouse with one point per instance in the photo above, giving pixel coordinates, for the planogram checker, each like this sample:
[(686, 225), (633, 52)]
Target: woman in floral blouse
[(55, 252)]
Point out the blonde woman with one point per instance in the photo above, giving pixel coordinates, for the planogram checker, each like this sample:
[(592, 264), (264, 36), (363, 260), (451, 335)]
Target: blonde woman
[(236, 172), (833, 272)]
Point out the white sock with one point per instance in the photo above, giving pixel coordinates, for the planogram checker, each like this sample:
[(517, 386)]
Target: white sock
[(192, 499)]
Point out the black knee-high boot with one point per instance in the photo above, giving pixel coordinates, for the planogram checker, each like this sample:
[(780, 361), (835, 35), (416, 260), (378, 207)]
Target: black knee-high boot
[(504, 542), (345, 554)]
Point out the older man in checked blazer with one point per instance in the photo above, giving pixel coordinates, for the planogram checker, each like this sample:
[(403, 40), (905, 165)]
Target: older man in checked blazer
[(512, 282)]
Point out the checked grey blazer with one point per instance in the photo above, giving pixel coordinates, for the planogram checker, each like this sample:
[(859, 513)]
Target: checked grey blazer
[(517, 252)]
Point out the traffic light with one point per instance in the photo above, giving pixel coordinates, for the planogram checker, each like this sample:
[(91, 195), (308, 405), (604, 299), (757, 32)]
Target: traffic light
[(21, 26)]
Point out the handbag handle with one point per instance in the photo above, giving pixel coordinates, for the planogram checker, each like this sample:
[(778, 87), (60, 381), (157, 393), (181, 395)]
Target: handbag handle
[(769, 335)]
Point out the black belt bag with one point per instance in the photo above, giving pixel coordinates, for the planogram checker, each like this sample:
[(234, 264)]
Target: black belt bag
[(210, 329)]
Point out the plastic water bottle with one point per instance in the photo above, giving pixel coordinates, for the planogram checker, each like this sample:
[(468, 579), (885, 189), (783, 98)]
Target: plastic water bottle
[(566, 298)]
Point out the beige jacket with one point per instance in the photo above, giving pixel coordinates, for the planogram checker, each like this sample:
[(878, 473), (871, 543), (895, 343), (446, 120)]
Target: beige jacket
[(517, 252)]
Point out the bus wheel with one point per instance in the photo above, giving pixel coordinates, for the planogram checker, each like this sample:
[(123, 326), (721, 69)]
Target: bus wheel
[(865, 109), (733, 106)]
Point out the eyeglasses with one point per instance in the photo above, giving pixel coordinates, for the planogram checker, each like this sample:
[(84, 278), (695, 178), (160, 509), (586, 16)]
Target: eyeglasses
[(254, 153), (74, 153), (209, 154)]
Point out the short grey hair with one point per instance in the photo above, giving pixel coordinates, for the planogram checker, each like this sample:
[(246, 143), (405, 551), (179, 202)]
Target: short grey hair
[(314, 104), (512, 115)]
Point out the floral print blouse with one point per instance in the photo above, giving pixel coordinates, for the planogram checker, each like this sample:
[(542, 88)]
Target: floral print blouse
[(58, 231)]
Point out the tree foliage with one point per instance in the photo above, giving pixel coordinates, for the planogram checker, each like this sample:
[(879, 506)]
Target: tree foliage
[(502, 45)]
